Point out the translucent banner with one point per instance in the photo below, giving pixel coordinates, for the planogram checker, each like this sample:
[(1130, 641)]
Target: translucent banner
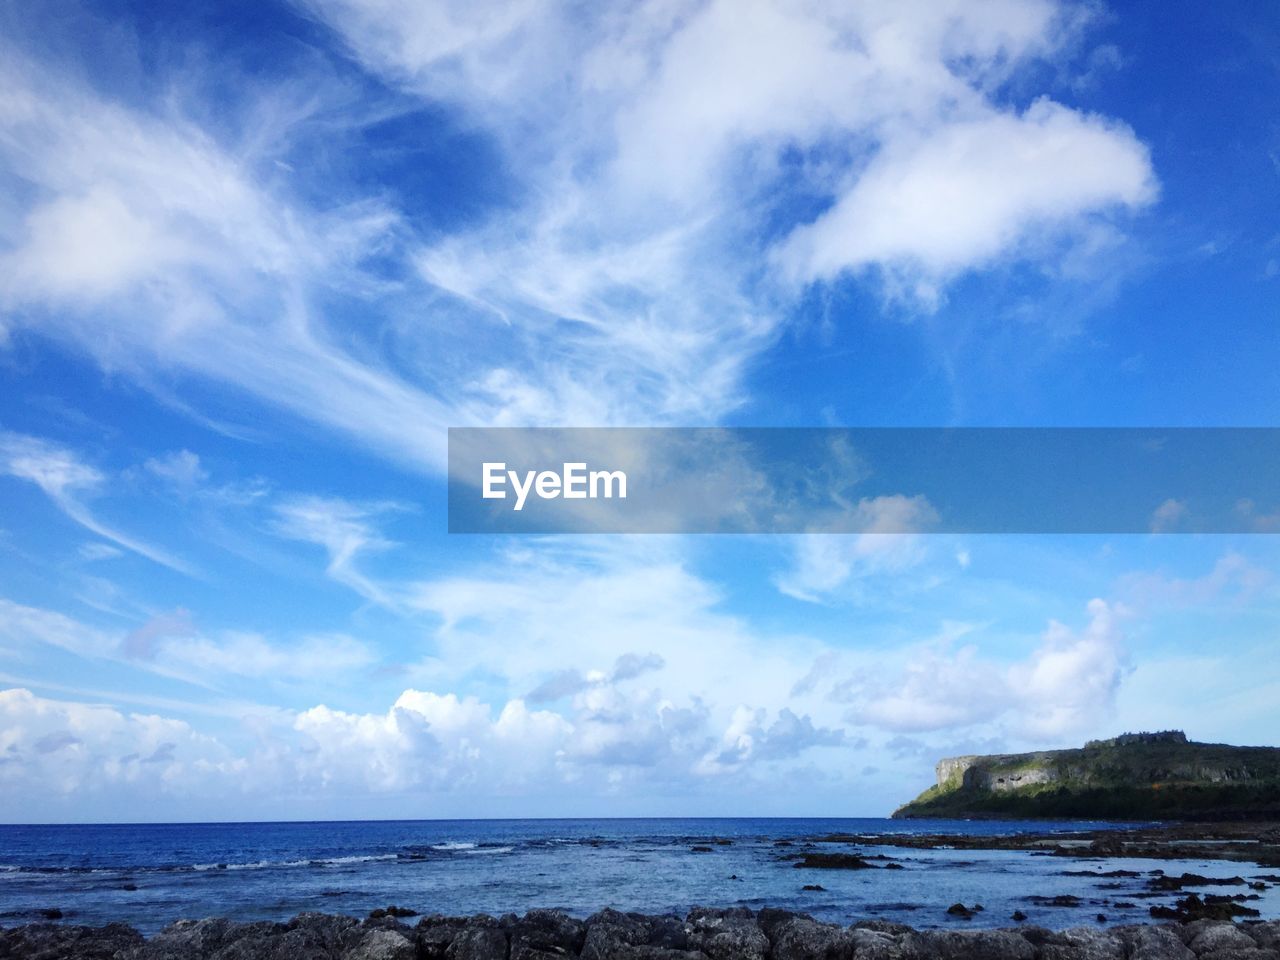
[(864, 480)]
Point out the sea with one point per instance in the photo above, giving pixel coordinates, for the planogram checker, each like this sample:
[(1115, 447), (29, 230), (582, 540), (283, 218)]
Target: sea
[(151, 875)]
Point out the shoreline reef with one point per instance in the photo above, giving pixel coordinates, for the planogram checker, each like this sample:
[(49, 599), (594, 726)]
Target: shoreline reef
[(703, 934)]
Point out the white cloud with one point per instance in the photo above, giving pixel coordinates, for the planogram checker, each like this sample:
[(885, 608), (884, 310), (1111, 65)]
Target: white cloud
[(21, 625), (1168, 516), (582, 605), (1233, 580), (67, 481), (172, 645), (344, 530), (1071, 681), (1066, 685), (51, 749), (824, 564), (968, 192), (627, 280), (180, 469)]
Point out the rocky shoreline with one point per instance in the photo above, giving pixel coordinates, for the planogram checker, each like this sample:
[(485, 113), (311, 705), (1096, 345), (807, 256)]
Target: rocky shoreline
[(704, 934), (1250, 842)]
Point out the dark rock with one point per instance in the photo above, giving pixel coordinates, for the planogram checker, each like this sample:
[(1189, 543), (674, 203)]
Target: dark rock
[(813, 886), (1083, 943), (51, 913), (976, 945), (55, 941), (391, 911), (894, 866), (961, 911), (1018, 915), (1061, 900), (1168, 883), (1221, 938), (701, 849), (380, 943), (612, 935), (1152, 943), (435, 933), (727, 934), (478, 942), (546, 933), (834, 861), (802, 938), (1209, 908)]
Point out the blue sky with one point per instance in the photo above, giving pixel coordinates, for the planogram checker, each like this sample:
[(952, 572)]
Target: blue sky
[(256, 258)]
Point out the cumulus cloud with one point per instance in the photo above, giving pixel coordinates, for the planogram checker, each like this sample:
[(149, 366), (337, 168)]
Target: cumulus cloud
[(1065, 685), (1072, 678), (428, 743), (929, 207), (54, 748)]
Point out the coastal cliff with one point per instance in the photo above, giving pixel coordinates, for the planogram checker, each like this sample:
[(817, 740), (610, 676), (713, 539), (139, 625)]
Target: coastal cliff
[(1137, 776)]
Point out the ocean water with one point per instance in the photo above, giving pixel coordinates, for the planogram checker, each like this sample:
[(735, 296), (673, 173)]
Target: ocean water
[(151, 875)]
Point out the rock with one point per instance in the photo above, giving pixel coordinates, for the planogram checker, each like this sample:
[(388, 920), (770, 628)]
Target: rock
[(735, 933), (1168, 883), (894, 865), (1210, 908), (435, 933), (1215, 937), (1153, 943), (187, 938), (381, 944), (478, 943), (834, 861), (542, 934), (701, 849), (1018, 915), (1267, 935), (1083, 943), (391, 911), (55, 941), (727, 934), (1061, 900), (612, 935), (884, 926), (961, 911), (977, 945), (802, 938), (813, 886)]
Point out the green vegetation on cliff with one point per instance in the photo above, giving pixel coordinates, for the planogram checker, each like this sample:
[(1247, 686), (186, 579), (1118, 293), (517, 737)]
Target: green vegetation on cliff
[(1145, 776)]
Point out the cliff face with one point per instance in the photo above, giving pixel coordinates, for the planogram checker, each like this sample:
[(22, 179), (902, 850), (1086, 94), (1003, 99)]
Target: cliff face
[(1135, 776)]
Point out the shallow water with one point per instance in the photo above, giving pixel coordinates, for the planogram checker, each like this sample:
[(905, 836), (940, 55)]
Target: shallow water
[(273, 871)]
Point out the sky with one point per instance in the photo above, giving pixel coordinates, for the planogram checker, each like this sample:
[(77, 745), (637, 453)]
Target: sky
[(257, 257)]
